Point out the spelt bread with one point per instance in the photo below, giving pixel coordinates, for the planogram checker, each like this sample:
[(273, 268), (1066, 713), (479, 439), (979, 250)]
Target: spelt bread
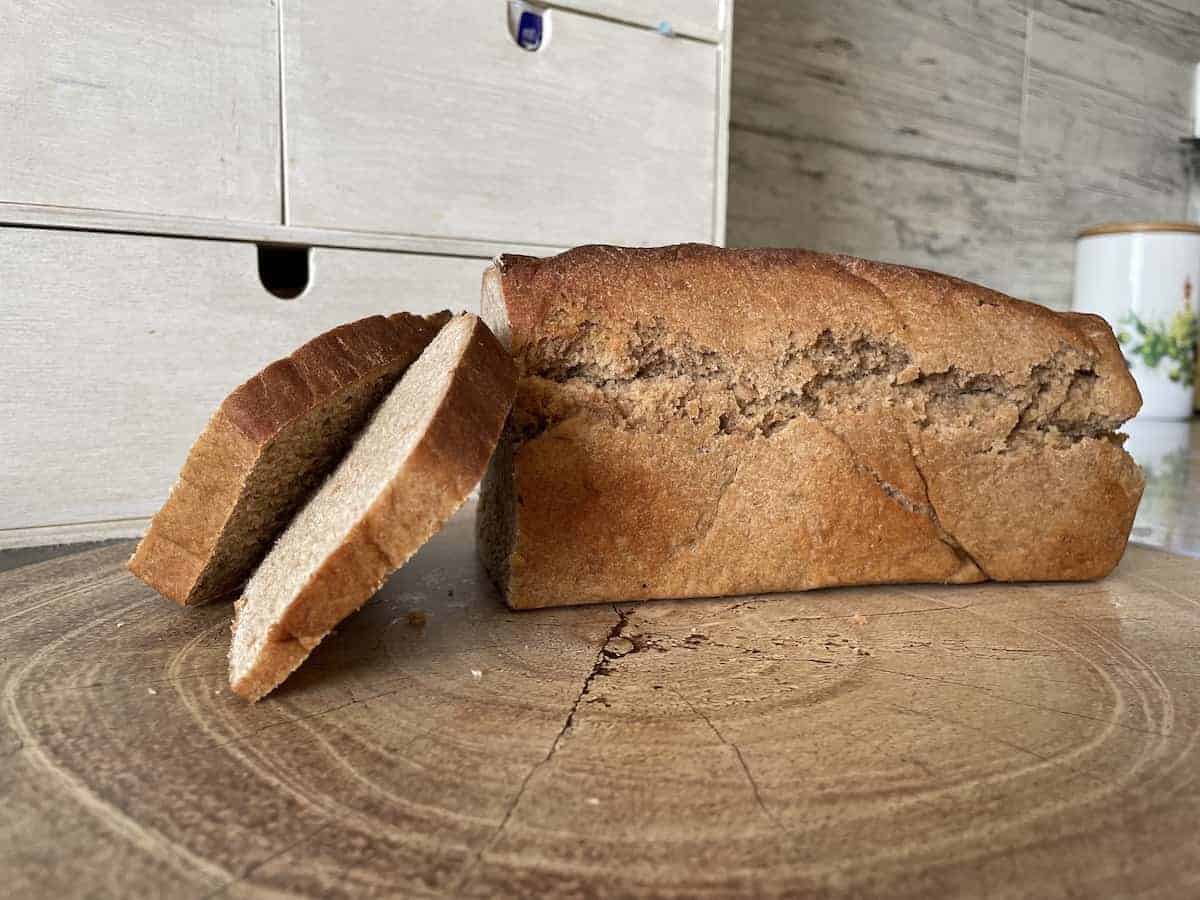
[(692, 421), (266, 448), (418, 458)]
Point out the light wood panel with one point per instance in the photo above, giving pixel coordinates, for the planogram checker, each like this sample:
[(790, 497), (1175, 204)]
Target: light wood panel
[(117, 348), (999, 741), (695, 18), (835, 199), (936, 81), (264, 232), (426, 118), (1169, 28), (888, 131), (147, 106), (971, 138), (1100, 143)]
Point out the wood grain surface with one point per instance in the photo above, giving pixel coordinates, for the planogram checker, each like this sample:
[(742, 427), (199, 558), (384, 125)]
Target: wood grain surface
[(996, 740), (120, 347), (700, 19), (147, 107), (885, 130), (426, 118), (67, 218), (971, 138), (1100, 130)]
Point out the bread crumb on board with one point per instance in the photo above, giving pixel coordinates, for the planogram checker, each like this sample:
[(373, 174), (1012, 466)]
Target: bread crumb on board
[(416, 618), (858, 619), (477, 674)]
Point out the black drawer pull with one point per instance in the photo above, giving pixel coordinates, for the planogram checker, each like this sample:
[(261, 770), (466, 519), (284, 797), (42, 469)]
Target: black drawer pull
[(283, 269)]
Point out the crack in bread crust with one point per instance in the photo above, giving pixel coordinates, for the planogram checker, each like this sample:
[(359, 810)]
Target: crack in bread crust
[(660, 380)]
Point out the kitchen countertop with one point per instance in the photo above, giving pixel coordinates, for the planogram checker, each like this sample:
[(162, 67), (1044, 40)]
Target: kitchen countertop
[(1169, 454), (903, 741)]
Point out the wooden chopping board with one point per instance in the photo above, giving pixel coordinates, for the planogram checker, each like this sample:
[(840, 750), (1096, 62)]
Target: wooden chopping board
[(999, 741)]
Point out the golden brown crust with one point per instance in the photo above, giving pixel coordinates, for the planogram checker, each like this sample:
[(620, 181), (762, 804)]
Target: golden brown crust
[(178, 544), (742, 302), (179, 551), (443, 468), (696, 421)]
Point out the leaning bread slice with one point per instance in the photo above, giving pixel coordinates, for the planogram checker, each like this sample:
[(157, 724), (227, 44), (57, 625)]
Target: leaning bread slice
[(267, 447), (424, 449)]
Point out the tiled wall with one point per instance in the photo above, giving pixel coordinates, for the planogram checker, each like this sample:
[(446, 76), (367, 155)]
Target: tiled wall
[(975, 137)]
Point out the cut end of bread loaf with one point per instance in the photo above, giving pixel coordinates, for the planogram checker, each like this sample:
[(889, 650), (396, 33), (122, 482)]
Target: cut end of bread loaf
[(266, 448), (421, 454)]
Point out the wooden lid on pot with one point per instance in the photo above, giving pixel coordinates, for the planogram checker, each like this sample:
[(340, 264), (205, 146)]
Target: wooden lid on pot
[(1138, 228)]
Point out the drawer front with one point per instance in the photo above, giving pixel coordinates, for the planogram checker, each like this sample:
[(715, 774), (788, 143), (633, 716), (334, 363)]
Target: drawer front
[(426, 118), (698, 18), (115, 350), (150, 107)]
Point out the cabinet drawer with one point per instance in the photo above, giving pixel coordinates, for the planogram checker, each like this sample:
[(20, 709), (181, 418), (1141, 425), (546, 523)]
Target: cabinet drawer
[(427, 118), (115, 349), (697, 18), (149, 107)]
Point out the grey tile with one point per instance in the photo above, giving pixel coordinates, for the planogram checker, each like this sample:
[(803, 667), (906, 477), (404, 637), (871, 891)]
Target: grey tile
[(1192, 153), (1167, 28), (1099, 142), (883, 130), (824, 196), (939, 80), (922, 133), (1108, 64)]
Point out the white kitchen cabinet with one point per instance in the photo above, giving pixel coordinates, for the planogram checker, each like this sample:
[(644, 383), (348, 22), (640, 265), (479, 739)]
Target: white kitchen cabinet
[(117, 348), (149, 107), (147, 148), (704, 19), (426, 118)]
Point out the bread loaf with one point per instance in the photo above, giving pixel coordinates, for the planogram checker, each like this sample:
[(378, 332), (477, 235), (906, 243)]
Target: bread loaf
[(266, 448), (692, 421), (423, 451)]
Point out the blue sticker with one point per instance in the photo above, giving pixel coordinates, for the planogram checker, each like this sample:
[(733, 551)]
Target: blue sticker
[(529, 31)]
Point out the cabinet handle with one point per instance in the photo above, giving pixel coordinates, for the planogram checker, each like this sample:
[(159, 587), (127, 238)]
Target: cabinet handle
[(529, 25), (283, 269)]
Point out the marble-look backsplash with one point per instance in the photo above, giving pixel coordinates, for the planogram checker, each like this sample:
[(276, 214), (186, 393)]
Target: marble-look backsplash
[(975, 137)]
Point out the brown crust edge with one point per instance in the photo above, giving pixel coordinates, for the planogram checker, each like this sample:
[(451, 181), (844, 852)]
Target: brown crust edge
[(191, 520)]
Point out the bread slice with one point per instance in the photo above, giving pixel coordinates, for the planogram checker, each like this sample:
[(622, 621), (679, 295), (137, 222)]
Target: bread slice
[(424, 449), (266, 448)]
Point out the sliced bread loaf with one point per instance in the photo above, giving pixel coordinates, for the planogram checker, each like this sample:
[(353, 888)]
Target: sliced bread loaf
[(266, 449), (418, 458), (695, 421)]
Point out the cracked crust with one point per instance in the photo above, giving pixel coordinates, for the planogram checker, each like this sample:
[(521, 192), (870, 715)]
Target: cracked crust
[(263, 451), (693, 421), (436, 472)]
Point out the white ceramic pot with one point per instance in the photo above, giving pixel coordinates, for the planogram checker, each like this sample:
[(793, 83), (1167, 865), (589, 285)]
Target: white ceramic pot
[(1144, 279)]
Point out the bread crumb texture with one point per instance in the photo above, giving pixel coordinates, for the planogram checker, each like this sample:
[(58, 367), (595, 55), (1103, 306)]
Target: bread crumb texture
[(416, 461), (267, 447), (694, 421)]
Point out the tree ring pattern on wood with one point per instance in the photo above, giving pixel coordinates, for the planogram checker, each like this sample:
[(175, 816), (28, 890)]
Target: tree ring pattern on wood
[(906, 740)]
